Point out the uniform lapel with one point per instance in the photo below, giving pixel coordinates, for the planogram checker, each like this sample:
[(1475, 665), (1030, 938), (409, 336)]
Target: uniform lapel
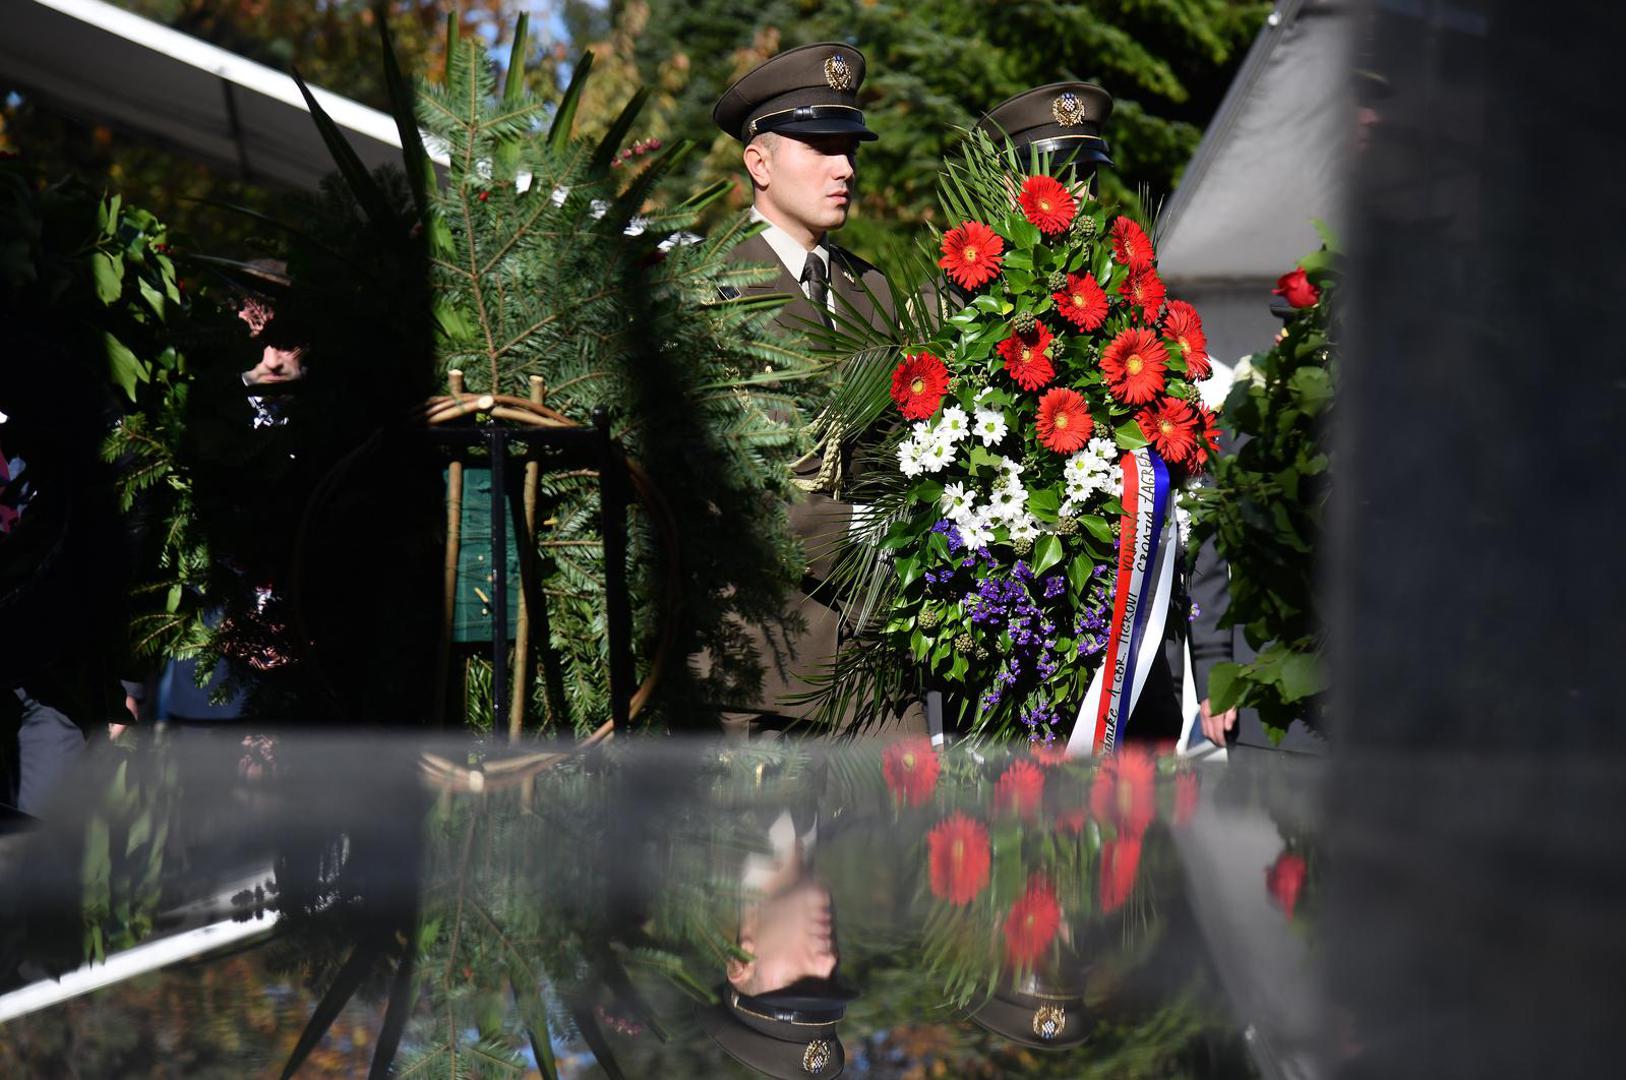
[(844, 279), (792, 315)]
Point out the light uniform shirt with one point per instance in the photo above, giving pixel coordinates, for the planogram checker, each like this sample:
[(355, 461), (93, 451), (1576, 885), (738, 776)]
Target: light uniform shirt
[(795, 257)]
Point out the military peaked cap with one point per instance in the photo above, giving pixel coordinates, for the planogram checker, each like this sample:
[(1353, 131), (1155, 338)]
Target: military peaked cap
[(811, 90), (1063, 119)]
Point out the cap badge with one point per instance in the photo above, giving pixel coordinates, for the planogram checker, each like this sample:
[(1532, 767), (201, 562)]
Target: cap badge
[(1048, 1021), (816, 1058), (837, 73), (1068, 110)]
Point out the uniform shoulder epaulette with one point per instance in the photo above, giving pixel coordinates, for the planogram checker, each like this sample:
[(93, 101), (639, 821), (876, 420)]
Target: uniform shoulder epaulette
[(851, 264)]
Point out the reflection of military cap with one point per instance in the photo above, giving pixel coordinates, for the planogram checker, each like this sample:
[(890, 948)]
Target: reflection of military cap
[(811, 90), (1036, 1012), (1063, 119), (787, 1035)]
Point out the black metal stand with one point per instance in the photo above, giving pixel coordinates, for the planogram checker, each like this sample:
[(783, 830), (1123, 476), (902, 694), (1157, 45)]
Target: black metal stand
[(558, 448)]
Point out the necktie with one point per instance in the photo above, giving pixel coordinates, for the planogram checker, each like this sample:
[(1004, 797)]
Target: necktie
[(816, 276)]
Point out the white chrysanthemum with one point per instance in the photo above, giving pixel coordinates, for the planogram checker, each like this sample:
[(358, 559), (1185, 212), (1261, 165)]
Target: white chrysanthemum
[(1010, 470), (922, 431), (975, 531), (936, 454), (909, 459), (1007, 501), (1023, 526), (956, 499), (953, 424), (1182, 523), (990, 426)]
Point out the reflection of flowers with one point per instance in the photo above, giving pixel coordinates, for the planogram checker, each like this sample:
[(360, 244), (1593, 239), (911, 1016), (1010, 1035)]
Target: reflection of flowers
[(971, 254), (1047, 204), (1284, 880), (1032, 922), (1123, 794), (911, 768), (958, 858), (1020, 788), (1186, 789), (1120, 862)]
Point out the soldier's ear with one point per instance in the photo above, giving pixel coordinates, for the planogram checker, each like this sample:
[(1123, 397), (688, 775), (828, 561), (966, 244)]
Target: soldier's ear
[(758, 160)]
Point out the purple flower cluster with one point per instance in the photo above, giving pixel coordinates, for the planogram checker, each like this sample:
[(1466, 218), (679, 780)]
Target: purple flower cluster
[(1008, 603), (956, 544), (1040, 721), (947, 529), (1091, 628)]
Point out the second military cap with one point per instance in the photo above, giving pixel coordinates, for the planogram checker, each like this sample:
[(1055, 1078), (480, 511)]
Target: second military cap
[(810, 90), (1063, 119)]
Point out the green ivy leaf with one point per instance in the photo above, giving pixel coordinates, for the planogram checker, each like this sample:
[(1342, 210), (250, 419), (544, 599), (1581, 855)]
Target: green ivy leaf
[(1129, 436), (109, 273), (1098, 527), (1046, 552), (1044, 503), (1312, 389), (123, 365), (152, 296), (1225, 687)]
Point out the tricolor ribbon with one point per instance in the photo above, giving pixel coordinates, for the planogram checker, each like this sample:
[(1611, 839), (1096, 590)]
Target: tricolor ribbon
[(1140, 604)]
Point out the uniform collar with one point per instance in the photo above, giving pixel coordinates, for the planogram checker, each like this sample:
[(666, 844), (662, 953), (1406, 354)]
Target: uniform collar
[(791, 253)]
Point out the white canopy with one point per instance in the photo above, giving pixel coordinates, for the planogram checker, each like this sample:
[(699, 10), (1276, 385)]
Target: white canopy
[(95, 60), (1273, 159)]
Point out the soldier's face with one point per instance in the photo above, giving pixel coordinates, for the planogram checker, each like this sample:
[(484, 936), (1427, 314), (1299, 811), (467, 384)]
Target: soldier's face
[(806, 181)]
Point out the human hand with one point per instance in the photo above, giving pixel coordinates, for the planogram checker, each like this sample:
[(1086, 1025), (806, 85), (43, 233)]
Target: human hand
[(1215, 725)]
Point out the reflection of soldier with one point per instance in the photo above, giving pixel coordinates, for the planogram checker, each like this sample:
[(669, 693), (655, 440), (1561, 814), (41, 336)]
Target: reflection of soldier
[(778, 1011), (1038, 1011), (797, 116)]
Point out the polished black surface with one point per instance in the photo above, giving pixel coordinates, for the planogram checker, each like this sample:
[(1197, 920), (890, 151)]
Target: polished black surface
[(981, 913)]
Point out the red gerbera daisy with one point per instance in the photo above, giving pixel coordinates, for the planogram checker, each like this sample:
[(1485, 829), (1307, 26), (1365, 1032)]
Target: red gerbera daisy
[(1083, 303), (1123, 795), (958, 858), (1120, 862), (1171, 426), (1144, 289), (1031, 925), (1130, 245), (1047, 204), (1027, 357), (1181, 325), (1020, 788), (1064, 421), (1134, 363), (918, 385), (910, 768), (1208, 436), (971, 254)]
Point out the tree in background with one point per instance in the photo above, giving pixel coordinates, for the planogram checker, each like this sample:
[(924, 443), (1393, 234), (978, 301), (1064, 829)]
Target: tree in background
[(935, 68)]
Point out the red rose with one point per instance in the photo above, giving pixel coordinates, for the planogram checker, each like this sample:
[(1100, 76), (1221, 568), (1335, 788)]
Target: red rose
[(1294, 287), (1285, 881), (1020, 788), (1031, 925), (910, 767), (958, 859), (918, 385)]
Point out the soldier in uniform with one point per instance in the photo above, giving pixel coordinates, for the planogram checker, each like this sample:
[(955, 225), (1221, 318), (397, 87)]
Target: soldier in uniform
[(1066, 121), (797, 118)]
